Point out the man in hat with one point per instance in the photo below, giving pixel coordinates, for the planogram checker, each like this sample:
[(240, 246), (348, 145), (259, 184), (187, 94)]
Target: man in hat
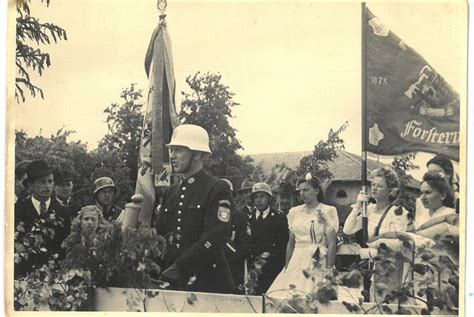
[(41, 211), (20, 176), (63, 185), (104, 191), (238, 244), (269, 234), (284, 197), (195, 216), (243, 195)]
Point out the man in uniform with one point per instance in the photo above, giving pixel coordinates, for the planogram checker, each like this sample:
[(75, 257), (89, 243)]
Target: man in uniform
[(195, 217), (104, 191), (243, 196), (63, 185), (269, 234), (238, 245), (40, 210)]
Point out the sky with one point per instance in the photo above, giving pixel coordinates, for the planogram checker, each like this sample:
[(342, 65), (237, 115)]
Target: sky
[(294, 67)]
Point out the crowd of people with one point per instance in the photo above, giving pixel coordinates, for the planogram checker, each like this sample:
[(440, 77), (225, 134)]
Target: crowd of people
[(215, 243)]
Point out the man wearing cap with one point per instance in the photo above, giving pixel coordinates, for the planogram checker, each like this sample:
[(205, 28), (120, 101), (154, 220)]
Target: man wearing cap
[(20, 176), (195, 216), (104, 191), (63, 185), (238, 244), (40, 206), (244, 194), (269, 234), (284, 197)]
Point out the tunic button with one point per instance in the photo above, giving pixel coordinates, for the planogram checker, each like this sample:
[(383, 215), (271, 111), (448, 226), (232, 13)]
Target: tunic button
[(214, 265), (183, 188), (180, 204), (179, 228), (179, 219), (179, 212), (177, 245), (182, 196)]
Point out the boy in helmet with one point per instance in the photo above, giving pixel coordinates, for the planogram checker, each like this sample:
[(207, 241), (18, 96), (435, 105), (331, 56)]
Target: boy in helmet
[(269, 234), (104, 190), (195, 216)]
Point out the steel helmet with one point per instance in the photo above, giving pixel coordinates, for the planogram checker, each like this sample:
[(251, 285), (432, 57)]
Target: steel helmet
[(229, 183), (103, 182), (191, 136), (262, 187)]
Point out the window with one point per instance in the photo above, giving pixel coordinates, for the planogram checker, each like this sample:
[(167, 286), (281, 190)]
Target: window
[(341, 193)]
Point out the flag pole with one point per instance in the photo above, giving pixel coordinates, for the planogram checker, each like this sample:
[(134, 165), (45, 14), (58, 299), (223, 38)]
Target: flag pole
[(364, 139), (364, 125)]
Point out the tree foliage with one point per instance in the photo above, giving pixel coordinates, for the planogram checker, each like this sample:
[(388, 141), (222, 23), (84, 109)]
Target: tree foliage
[(323, 153), (209, 104), (402, 165), (125, 125), (30, 35), (74, 157)]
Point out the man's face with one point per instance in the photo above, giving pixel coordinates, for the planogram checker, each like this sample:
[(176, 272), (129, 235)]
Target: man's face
[(261, 200), (42, 187), (180, 158), (19, 188), (284, 201), (105, 196), (63, 190)]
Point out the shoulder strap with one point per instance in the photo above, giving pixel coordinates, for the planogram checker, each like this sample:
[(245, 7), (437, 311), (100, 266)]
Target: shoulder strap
[(377, 229)]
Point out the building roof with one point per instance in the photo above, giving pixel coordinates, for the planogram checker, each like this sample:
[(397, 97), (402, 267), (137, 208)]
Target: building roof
[(347, 167)]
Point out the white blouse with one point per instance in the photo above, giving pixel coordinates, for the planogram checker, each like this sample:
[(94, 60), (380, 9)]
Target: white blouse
[(423, 215), (391, 223)]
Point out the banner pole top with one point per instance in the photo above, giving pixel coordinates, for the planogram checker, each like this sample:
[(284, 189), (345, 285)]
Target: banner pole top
[(161, 5)]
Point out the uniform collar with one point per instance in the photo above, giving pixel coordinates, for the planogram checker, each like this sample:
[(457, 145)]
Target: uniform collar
[(265, 213), (195, 178), (62, 202)]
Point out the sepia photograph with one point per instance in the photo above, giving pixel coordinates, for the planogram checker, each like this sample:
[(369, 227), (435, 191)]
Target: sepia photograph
[(236, 157)]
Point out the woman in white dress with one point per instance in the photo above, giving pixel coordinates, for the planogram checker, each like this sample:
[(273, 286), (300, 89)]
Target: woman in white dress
[(311, 249), (383, 217)]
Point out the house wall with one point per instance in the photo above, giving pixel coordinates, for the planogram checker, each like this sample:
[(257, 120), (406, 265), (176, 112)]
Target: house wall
[(343, 204)]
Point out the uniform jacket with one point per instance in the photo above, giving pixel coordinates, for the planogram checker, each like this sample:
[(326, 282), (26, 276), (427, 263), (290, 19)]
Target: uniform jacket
[(112, 213), (269, 235), (25, 212), (196, 215), (238, 246)]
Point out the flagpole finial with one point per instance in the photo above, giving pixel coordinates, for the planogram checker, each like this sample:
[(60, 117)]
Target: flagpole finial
[(161, 5)]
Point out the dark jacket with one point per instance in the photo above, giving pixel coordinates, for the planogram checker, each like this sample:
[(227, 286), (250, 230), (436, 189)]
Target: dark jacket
[(238, 246), (72, 205), (25, 212), (196, 213), (111, 213), (269, 235)]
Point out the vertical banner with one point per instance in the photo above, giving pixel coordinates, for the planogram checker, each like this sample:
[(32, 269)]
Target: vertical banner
[(160, 120), (410, 107)]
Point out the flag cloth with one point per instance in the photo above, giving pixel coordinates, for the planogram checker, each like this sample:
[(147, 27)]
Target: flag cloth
[(160, 120), (410, 107)]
